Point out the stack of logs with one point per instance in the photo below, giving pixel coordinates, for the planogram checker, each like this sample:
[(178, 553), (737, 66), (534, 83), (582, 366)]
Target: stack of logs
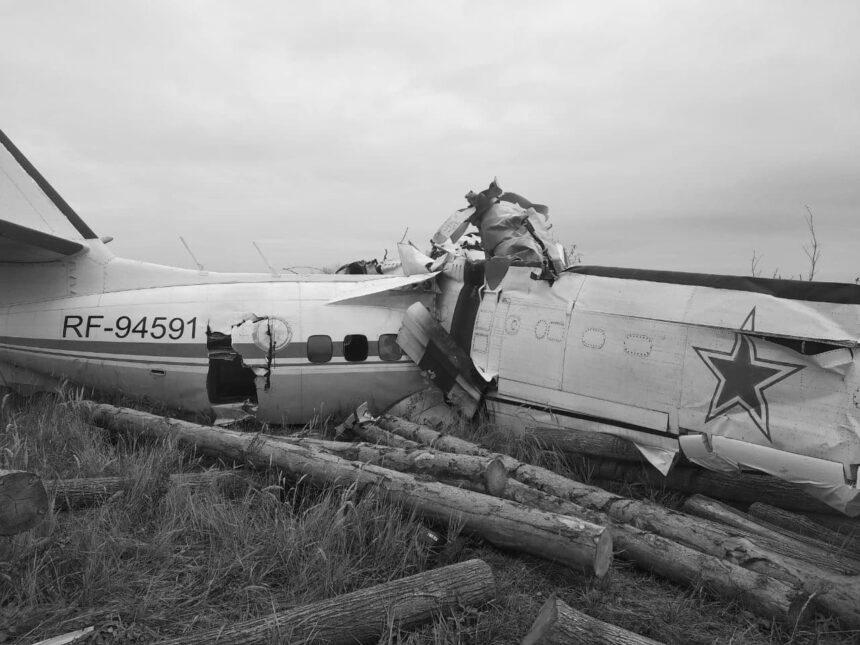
[(776, 563)]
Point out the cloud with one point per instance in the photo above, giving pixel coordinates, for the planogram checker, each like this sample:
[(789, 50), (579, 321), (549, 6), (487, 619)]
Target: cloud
[(643, 126)]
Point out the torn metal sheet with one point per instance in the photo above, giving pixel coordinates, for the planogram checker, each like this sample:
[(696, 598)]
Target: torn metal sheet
[(370, 267), (504, 233), (822, 479), (230, 413), (427, 407), (453, 227), (414, 261), (449, 367), (661, 458), (224, 322)]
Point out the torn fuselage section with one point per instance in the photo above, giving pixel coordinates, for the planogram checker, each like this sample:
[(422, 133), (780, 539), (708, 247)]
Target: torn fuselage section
[(229, 380), (241, 361), (735, 373)]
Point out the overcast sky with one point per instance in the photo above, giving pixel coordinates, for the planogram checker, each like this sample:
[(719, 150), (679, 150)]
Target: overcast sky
[(677, 135)]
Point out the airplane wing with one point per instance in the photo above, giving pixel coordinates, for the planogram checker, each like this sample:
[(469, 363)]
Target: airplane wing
[(355, 291), (21, 244), (36, 224)]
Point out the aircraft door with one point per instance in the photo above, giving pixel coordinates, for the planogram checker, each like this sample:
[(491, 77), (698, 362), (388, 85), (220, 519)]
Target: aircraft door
[(533, 346), (489, 332)]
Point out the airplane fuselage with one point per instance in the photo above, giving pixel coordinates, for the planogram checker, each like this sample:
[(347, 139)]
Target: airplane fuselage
[(733, 372), (228, 344)]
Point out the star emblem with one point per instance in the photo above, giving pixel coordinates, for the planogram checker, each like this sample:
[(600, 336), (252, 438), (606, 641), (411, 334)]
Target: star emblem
[(742, 378)]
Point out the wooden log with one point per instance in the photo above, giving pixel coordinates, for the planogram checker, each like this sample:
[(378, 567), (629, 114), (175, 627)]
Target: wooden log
[(488, 470), (743, 488), (836, 593), (374, 434), (847, 526), (424, 436), (773, 537), (361, 616), (23, 501), (506, 524), (588, 444), (677, 562), (558, 623), (360, 424), (70, 494), (802, 525)]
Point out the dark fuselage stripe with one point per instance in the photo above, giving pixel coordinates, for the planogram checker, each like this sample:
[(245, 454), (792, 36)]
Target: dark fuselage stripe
[(173, 350), (577, 415), (130, 357), (102, 357), (167, 349)]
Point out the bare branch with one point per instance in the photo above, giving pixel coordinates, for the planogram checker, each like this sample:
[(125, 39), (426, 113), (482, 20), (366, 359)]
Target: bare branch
[(755, 260), (812, 250)]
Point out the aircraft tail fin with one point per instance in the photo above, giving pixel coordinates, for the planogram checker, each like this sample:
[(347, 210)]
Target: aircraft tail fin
[(36, 223)]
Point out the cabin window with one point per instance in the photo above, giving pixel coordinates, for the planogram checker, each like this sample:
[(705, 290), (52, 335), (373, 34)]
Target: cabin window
[(389, 350), (319, 349), (355, 348)]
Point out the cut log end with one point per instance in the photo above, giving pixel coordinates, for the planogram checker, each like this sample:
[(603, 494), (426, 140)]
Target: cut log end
[(544, 622), (495, 478), (558, 623), (603, 554), (23, 501)]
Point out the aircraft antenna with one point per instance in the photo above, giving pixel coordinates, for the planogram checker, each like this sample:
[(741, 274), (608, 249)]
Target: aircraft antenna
[(188, 248), (265, 261)]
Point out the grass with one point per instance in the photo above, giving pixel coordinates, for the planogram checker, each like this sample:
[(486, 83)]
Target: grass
[(159, 560)]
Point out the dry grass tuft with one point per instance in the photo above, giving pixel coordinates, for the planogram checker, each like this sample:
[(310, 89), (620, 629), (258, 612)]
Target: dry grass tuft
[(160, 560)]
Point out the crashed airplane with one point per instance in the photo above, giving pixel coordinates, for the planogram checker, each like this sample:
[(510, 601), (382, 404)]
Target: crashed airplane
[(732, 372)]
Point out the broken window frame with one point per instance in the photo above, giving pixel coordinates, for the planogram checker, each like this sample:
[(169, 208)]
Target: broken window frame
[(389, 350)]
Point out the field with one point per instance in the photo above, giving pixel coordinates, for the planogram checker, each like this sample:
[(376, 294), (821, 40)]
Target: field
[(158, 560)]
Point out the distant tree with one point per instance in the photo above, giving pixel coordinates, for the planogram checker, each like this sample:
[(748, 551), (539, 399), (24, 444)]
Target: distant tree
[(813, 249), (755, 269)]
